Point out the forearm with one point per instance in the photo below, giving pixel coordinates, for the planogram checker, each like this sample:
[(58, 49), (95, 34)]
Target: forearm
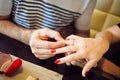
[(14, 31), (111, 34)]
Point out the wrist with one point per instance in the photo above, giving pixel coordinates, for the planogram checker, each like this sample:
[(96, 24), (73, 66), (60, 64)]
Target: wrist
[(25, 36), (104, 43), (104, 35)]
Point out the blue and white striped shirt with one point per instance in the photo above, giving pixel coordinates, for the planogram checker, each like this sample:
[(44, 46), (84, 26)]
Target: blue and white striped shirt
[(48, 13)]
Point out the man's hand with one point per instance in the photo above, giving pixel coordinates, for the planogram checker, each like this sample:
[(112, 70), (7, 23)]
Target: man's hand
[(40, 44)]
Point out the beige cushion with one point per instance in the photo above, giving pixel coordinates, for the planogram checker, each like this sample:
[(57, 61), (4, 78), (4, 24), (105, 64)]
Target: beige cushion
[(106, 14)]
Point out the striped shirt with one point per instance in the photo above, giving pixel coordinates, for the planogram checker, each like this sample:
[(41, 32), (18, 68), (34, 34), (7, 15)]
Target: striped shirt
[(49, 13)]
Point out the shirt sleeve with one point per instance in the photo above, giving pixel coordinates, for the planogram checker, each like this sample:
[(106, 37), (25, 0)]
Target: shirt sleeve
[(118, 25), (5, 7), (83, 22)]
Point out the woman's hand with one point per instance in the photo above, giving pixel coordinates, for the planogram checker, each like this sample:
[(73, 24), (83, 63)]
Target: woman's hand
[(40, 45), (88, 49)]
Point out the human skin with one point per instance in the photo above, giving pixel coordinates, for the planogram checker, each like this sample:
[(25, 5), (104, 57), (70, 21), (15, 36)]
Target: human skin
[(91, 49)]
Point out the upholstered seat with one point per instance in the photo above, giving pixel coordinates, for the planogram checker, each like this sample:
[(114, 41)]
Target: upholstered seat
[(106, 14)]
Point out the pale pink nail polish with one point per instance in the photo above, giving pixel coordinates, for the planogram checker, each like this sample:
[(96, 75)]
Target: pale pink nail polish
[(57, 61)]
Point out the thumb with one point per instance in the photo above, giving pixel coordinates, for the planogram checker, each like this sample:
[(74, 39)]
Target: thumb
[(87, 67)]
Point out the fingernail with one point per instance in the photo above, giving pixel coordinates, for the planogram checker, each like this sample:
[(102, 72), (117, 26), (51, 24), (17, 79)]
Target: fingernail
[(53, 51), (57, 61), (86, 74)]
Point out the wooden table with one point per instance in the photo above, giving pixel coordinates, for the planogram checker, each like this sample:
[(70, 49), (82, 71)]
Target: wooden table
[(23, 51)]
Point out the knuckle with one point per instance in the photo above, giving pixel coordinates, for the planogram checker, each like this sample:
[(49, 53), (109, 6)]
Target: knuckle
[(75, 57)]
